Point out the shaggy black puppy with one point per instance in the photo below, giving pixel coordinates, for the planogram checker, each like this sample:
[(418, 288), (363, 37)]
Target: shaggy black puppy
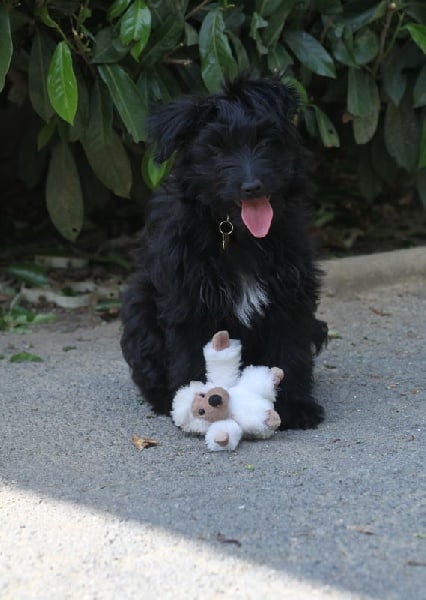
[(226, 246)]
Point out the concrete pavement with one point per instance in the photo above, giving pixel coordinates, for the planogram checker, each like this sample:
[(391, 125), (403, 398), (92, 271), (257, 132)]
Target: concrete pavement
[(336, 513)]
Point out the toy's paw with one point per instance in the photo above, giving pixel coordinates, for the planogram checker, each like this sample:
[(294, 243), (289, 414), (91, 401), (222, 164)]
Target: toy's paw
[(273, 420), (220, 340), (277, 375), (221, 438)]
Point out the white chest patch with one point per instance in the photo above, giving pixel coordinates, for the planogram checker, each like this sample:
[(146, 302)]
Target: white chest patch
[(252, 301)]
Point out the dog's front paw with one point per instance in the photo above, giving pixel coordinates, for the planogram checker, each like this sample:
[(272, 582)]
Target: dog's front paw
[(301, 415)]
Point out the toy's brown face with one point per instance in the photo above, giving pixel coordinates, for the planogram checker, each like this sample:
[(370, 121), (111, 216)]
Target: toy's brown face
[(211, 406)]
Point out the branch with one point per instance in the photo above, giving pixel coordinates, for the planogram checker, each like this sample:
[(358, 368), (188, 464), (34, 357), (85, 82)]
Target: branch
[(197, 9), (383, 36)]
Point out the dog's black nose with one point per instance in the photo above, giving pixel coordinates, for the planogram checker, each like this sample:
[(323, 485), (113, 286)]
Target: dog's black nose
[(252, 188), (215, 400)]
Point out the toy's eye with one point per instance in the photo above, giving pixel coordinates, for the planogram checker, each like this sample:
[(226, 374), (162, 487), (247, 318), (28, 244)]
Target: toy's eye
[(201, 411)]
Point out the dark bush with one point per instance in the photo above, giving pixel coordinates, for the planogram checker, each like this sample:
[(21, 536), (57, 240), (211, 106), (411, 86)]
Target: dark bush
[(78, 78)]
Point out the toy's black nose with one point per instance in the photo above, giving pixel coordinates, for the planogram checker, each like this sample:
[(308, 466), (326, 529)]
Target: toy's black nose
[(215, 400), (252, 188)]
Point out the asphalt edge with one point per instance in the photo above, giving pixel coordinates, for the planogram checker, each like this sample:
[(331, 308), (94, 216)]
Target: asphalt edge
[(357, 273)]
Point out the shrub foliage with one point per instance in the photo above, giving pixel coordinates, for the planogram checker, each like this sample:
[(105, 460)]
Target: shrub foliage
[(88, 72)]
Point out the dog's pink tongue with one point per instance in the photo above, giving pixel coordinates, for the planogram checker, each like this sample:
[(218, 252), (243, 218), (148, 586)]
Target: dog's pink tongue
[(257, 216)]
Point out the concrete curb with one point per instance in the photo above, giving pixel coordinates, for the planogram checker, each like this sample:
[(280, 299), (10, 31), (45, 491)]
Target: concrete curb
[(355, 273)]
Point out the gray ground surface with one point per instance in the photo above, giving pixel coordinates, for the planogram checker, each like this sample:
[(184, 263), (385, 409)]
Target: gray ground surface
[(334, 513)]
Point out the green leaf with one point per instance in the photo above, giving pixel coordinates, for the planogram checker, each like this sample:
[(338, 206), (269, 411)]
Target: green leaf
[(62, 83), (117, 8), (363, 98), (99, 128), (82, 115), (358, 13), (366, 46), (365, 127), (40, 59), (327, 131), (153, 173), (297, 87), (46, 133), (25, 357), (419, 92), (276, 22), (265, 8), (402, 134), (310, 53), (42, 13), (135, 24), (191, 35), (29, 274), (127, 99), (108, 47), (393, 76), (343, 47), (110, 163), (258, 22), (166, 37), (279, 59), (217, 62), (418, 34), (64, 198), (310, 120), (329, 7), (240, 52), (43, 318), (421, 186), (6, 47)]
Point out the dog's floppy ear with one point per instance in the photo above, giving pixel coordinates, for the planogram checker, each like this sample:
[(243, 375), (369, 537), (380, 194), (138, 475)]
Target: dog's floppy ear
[(175, 124), (266, 97)]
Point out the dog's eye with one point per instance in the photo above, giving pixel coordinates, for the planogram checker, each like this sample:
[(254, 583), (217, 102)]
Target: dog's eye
[(201, 411), (202, 395)]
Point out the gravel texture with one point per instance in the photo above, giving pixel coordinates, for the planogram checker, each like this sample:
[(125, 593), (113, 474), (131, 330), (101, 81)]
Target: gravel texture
[(335, 513)]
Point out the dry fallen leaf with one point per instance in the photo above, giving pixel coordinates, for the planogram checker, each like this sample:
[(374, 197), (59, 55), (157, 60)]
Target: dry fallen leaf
[(224, 540), (379, 312), (361, 529), (143, 442), (416, 563)]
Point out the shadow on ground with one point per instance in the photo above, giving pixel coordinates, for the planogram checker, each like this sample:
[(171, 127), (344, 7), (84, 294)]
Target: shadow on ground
[(340, 506)]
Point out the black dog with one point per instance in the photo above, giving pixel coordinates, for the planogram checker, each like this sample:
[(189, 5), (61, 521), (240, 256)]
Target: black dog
[(226, 246)]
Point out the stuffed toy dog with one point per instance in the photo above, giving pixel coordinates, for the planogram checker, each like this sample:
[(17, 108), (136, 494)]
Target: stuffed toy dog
[(232, 403)]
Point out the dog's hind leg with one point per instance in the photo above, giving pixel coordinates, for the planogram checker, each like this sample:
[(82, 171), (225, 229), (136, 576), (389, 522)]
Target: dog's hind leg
[(142, 345)]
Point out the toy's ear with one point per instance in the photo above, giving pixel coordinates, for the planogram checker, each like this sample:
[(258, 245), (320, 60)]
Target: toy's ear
[(176, 123)]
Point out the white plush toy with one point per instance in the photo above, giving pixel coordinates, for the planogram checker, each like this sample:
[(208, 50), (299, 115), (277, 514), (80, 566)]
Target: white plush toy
[(232, 403)]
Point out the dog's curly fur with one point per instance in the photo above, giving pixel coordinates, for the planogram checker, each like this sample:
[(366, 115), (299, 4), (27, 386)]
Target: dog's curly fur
[(230, 147)]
